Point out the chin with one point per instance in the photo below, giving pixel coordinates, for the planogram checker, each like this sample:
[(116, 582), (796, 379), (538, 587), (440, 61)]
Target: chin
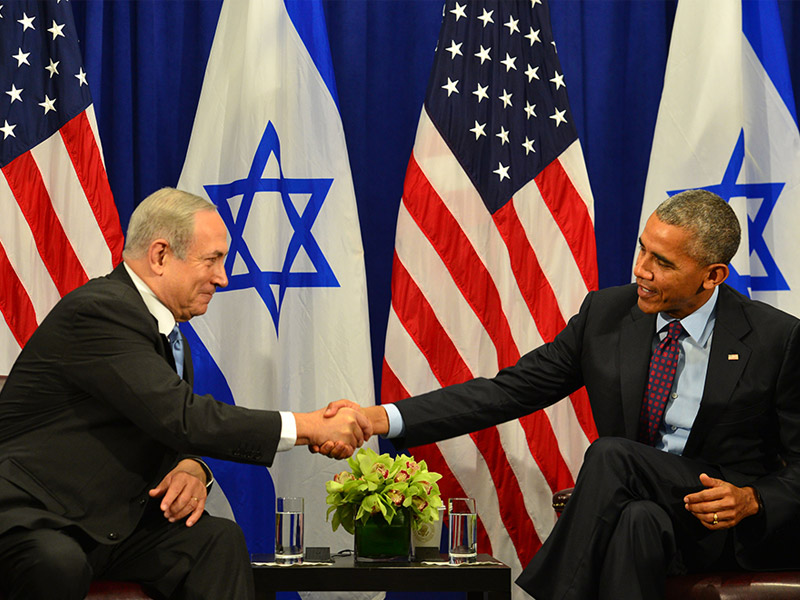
[(647, 307)]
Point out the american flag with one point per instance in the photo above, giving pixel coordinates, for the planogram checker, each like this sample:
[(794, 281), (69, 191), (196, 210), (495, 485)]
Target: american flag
[(59, 225), (494, 252)]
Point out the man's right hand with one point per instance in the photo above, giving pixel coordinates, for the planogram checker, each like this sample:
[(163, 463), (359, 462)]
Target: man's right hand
[(343, 431), (375, 414)]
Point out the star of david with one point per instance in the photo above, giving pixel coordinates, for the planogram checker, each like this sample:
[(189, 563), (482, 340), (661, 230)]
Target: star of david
[(247, 188), (773, 280)]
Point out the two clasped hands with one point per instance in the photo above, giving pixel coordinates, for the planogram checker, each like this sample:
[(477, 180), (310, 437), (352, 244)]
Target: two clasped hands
[(340, 428)]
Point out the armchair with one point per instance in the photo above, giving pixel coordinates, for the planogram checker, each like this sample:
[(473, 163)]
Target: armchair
[(778, 585)]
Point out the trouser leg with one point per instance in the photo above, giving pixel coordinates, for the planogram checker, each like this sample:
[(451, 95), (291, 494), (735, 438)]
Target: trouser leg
[(641, 546), (207, 561), (42, 564), (617, 472)]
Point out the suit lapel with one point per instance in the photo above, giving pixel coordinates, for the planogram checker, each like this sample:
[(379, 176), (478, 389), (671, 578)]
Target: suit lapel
[(726, 362), (636, 339)]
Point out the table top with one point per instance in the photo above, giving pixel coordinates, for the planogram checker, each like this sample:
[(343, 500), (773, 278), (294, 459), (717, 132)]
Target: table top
[(345, 574)]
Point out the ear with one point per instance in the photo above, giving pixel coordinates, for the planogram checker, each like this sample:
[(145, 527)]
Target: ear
[(157, 255), (715, 275)]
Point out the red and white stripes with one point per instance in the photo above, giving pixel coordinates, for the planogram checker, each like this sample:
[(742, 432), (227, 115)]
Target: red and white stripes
[(471, 292), (59, 227)]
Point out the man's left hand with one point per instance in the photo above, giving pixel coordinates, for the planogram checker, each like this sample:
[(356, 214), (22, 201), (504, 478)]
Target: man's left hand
[(184, 492), (721, 505)]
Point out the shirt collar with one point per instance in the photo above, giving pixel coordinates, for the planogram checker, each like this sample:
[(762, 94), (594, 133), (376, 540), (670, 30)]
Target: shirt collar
[(695, 324), (162, 315)]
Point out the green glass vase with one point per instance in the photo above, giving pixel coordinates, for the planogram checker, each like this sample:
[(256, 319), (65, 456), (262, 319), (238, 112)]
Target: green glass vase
[(378, 541)]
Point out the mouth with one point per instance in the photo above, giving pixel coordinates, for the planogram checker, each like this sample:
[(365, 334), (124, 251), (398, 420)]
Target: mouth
[(645, 292)]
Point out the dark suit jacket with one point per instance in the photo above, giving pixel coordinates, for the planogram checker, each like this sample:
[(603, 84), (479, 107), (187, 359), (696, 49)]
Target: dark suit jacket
[(93, 415), (748, 423)]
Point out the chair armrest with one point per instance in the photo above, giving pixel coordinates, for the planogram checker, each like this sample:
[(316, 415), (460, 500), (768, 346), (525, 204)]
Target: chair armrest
[(560, 499)]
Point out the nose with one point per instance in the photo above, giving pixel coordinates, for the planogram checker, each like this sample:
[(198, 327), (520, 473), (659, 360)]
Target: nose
[(220, 279), (639, 270)]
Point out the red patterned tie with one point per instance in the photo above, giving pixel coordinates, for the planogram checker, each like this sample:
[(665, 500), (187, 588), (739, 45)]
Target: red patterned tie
[(663, 365)]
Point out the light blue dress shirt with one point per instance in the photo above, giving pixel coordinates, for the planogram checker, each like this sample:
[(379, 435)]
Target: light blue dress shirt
[(687, 388), (690, 378)]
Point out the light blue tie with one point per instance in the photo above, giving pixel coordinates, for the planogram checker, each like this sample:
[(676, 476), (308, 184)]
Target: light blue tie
[(176, 341)]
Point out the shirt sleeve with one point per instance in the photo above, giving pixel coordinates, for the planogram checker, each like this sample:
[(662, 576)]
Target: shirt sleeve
[(288, 432), (396, 425)]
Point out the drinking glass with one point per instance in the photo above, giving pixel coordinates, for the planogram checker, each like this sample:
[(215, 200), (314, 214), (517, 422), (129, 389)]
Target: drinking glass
[(463, 530), (289, 531)]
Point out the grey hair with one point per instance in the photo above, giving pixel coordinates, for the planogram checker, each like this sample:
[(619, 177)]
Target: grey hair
[(711, 221), (169, 214)]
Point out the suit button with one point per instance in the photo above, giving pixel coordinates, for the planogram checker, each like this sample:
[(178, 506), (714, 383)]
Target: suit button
[(113, 536), (142, 501)]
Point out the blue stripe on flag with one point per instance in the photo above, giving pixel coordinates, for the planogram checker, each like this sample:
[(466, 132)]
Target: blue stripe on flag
[(761, 25), (308, 18), (248, 488)]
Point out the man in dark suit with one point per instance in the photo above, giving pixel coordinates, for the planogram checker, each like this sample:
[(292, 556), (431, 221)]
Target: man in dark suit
[(708, 479), (98, 432)]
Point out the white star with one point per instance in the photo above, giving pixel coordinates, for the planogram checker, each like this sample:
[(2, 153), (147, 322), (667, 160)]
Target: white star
[(558, 117), (52, 67), (27, 22), (512, 25), (8, 130), (528, 145), (14, 93), (1, 8), (454, 49), (56, 30), (530, 109), (506, 98), (478, 130), (503, 135), (458, 11), (450, 86), (481, 92), (509, 62), (22, 57), (502, 171), (558, 80), (533, 36), (535, 2), (484, 54), (48, 104), (82, 77), (532, 73), (486, 17)]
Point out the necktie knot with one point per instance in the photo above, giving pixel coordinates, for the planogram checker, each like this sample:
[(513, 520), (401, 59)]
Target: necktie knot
[(675, 329)]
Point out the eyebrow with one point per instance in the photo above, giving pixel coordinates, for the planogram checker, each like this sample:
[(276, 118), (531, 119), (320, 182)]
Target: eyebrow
[(660, 257)]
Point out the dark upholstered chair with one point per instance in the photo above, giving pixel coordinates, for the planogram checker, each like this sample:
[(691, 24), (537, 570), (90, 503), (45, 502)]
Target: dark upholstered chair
[(114, 590), (782, 585)]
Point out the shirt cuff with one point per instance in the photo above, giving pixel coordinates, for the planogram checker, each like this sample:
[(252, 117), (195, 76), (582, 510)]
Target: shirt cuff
[(396, 425), (207, 470), (288, 431)]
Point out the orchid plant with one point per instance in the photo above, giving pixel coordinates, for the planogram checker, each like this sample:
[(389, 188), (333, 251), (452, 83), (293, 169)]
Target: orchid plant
[(385, 485)]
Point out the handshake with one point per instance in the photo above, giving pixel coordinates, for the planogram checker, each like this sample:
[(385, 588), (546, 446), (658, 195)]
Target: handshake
[(340, 428)]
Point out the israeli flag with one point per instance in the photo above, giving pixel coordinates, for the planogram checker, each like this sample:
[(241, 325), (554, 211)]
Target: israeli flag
[(290, 332), (727, 123)]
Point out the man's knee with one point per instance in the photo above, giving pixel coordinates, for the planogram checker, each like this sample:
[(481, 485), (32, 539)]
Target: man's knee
[(44, 564), (608, 452)]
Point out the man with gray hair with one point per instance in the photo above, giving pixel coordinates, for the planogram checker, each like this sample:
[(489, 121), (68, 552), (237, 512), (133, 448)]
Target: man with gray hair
[(695, 391), (100, 430)]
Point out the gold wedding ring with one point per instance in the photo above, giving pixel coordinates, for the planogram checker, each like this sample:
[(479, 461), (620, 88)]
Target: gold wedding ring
[(715, 521)]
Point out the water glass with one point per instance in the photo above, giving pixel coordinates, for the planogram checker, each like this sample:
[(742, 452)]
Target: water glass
[(289, 531), (463, 530)]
